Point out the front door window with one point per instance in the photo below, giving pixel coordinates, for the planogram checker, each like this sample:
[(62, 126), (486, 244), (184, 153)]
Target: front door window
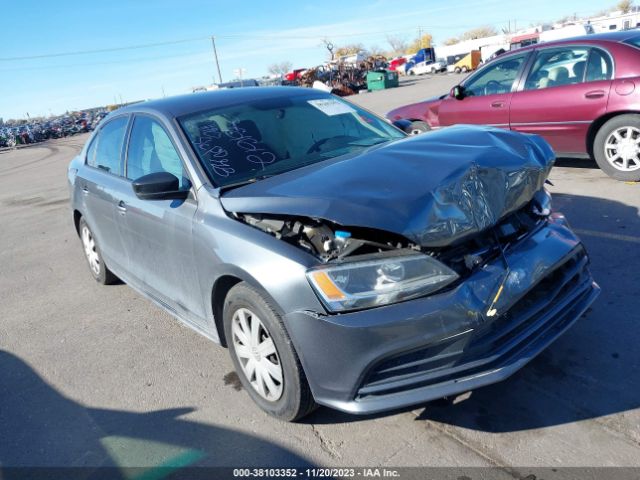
[(495, 79)]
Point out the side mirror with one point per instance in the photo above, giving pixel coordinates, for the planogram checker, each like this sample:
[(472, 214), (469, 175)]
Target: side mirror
[(159, 186), (457, 92)]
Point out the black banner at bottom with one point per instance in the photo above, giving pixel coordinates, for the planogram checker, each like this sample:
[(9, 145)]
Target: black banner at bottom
[(308, 473)]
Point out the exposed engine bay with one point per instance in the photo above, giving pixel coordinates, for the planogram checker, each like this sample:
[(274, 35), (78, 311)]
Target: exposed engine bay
[(333, 243)]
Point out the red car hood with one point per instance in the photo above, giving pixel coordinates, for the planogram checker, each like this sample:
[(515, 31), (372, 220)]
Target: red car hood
[(426, 111)]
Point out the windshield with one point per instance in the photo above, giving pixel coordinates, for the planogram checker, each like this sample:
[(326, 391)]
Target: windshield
[(266, 137), (635, 41)]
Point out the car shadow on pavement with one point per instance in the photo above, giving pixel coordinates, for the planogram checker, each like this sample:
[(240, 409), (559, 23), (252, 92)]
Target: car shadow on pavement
[(43, 428), (589, 372), (586, 163)]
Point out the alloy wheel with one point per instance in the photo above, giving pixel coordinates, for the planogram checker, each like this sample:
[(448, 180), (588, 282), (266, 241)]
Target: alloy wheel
[(89, 244), (622, 149), (257, 354)]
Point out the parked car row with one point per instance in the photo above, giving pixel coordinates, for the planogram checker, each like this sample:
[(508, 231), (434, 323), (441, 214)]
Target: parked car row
[(39, 131), (582, 95)]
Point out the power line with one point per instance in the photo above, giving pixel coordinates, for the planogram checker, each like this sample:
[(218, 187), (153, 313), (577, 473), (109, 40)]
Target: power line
[(101, 50), (109, 62)]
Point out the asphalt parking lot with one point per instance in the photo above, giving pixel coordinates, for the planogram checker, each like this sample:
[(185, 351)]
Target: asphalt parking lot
[(93, 375)]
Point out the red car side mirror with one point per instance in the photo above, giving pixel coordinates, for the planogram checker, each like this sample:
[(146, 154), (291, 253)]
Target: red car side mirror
[(457, 92)]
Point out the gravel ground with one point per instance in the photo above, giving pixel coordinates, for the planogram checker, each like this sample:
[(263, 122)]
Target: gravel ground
[(93, 375)]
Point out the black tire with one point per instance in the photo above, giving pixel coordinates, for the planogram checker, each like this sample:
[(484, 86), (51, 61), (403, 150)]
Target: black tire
[(457, 70), (621, 121), (465, 69), (296, 400), (411, 72), (417, 127), (103, 276)]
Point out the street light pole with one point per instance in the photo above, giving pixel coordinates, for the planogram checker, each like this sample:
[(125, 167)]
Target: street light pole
[(215, 54)]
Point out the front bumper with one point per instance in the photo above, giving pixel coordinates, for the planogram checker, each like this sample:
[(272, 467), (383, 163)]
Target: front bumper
[(412, 352)]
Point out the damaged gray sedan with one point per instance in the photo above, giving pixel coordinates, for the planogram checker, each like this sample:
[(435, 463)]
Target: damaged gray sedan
[(341, 262)]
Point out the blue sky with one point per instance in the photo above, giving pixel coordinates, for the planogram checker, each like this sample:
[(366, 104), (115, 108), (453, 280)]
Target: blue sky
[(250, 34)]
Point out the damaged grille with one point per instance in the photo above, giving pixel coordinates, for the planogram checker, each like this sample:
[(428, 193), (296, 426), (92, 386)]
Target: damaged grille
[(539, 315), (484, 247)]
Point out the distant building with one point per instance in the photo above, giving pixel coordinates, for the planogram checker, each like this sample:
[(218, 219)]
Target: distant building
[(616, 21)]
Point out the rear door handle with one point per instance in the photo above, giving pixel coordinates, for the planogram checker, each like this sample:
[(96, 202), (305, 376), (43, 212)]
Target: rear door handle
[(497, 104), (122, 207), (594, 94), (85, 190)]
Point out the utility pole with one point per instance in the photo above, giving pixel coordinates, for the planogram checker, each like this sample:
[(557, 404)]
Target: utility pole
[(215, 54), (239, 72)]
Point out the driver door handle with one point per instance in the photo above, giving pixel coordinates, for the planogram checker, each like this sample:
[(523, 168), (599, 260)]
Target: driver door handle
[(594, 94), (497, 104), (122, 207)]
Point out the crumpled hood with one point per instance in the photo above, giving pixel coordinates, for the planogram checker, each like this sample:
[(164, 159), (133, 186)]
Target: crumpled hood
[(434, 189)]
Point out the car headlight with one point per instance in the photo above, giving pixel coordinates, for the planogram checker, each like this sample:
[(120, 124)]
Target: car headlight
[(542, 203), (378, 281)]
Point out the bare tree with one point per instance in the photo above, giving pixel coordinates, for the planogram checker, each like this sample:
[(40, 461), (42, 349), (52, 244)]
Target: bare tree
[(624, 6), (479, 32), (375, 50), (451, 41), (420, 42), (349, 49), (280, 68), (397, 43)]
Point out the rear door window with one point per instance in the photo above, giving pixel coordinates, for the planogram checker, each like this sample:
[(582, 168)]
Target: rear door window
[(599, 66), (558, 67), (108, 147)]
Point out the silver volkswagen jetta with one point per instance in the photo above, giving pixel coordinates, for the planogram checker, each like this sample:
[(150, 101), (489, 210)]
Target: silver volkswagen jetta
[(340, 261)]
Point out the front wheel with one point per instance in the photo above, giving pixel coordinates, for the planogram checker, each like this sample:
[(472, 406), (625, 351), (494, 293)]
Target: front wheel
[(263, 355), (417, 127), (457, 70), (616, 148)]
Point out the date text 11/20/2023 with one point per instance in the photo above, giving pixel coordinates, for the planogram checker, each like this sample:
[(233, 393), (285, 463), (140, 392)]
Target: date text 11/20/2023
[(316, 473)]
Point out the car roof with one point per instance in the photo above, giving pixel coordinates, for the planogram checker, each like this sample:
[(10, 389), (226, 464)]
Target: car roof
[(197, 102), (616, 37)]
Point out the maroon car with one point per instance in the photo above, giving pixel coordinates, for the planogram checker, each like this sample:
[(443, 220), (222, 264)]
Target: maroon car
[(581, 94)]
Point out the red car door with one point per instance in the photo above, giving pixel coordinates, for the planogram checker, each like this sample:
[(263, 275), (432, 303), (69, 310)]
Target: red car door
[(566, 89), (486, 94)]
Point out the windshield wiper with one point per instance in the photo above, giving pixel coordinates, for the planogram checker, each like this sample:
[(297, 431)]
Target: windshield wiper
[(369, 142), (241, 183)]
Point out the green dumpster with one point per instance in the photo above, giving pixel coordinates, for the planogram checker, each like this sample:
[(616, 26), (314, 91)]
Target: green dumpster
[(381, 79)]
